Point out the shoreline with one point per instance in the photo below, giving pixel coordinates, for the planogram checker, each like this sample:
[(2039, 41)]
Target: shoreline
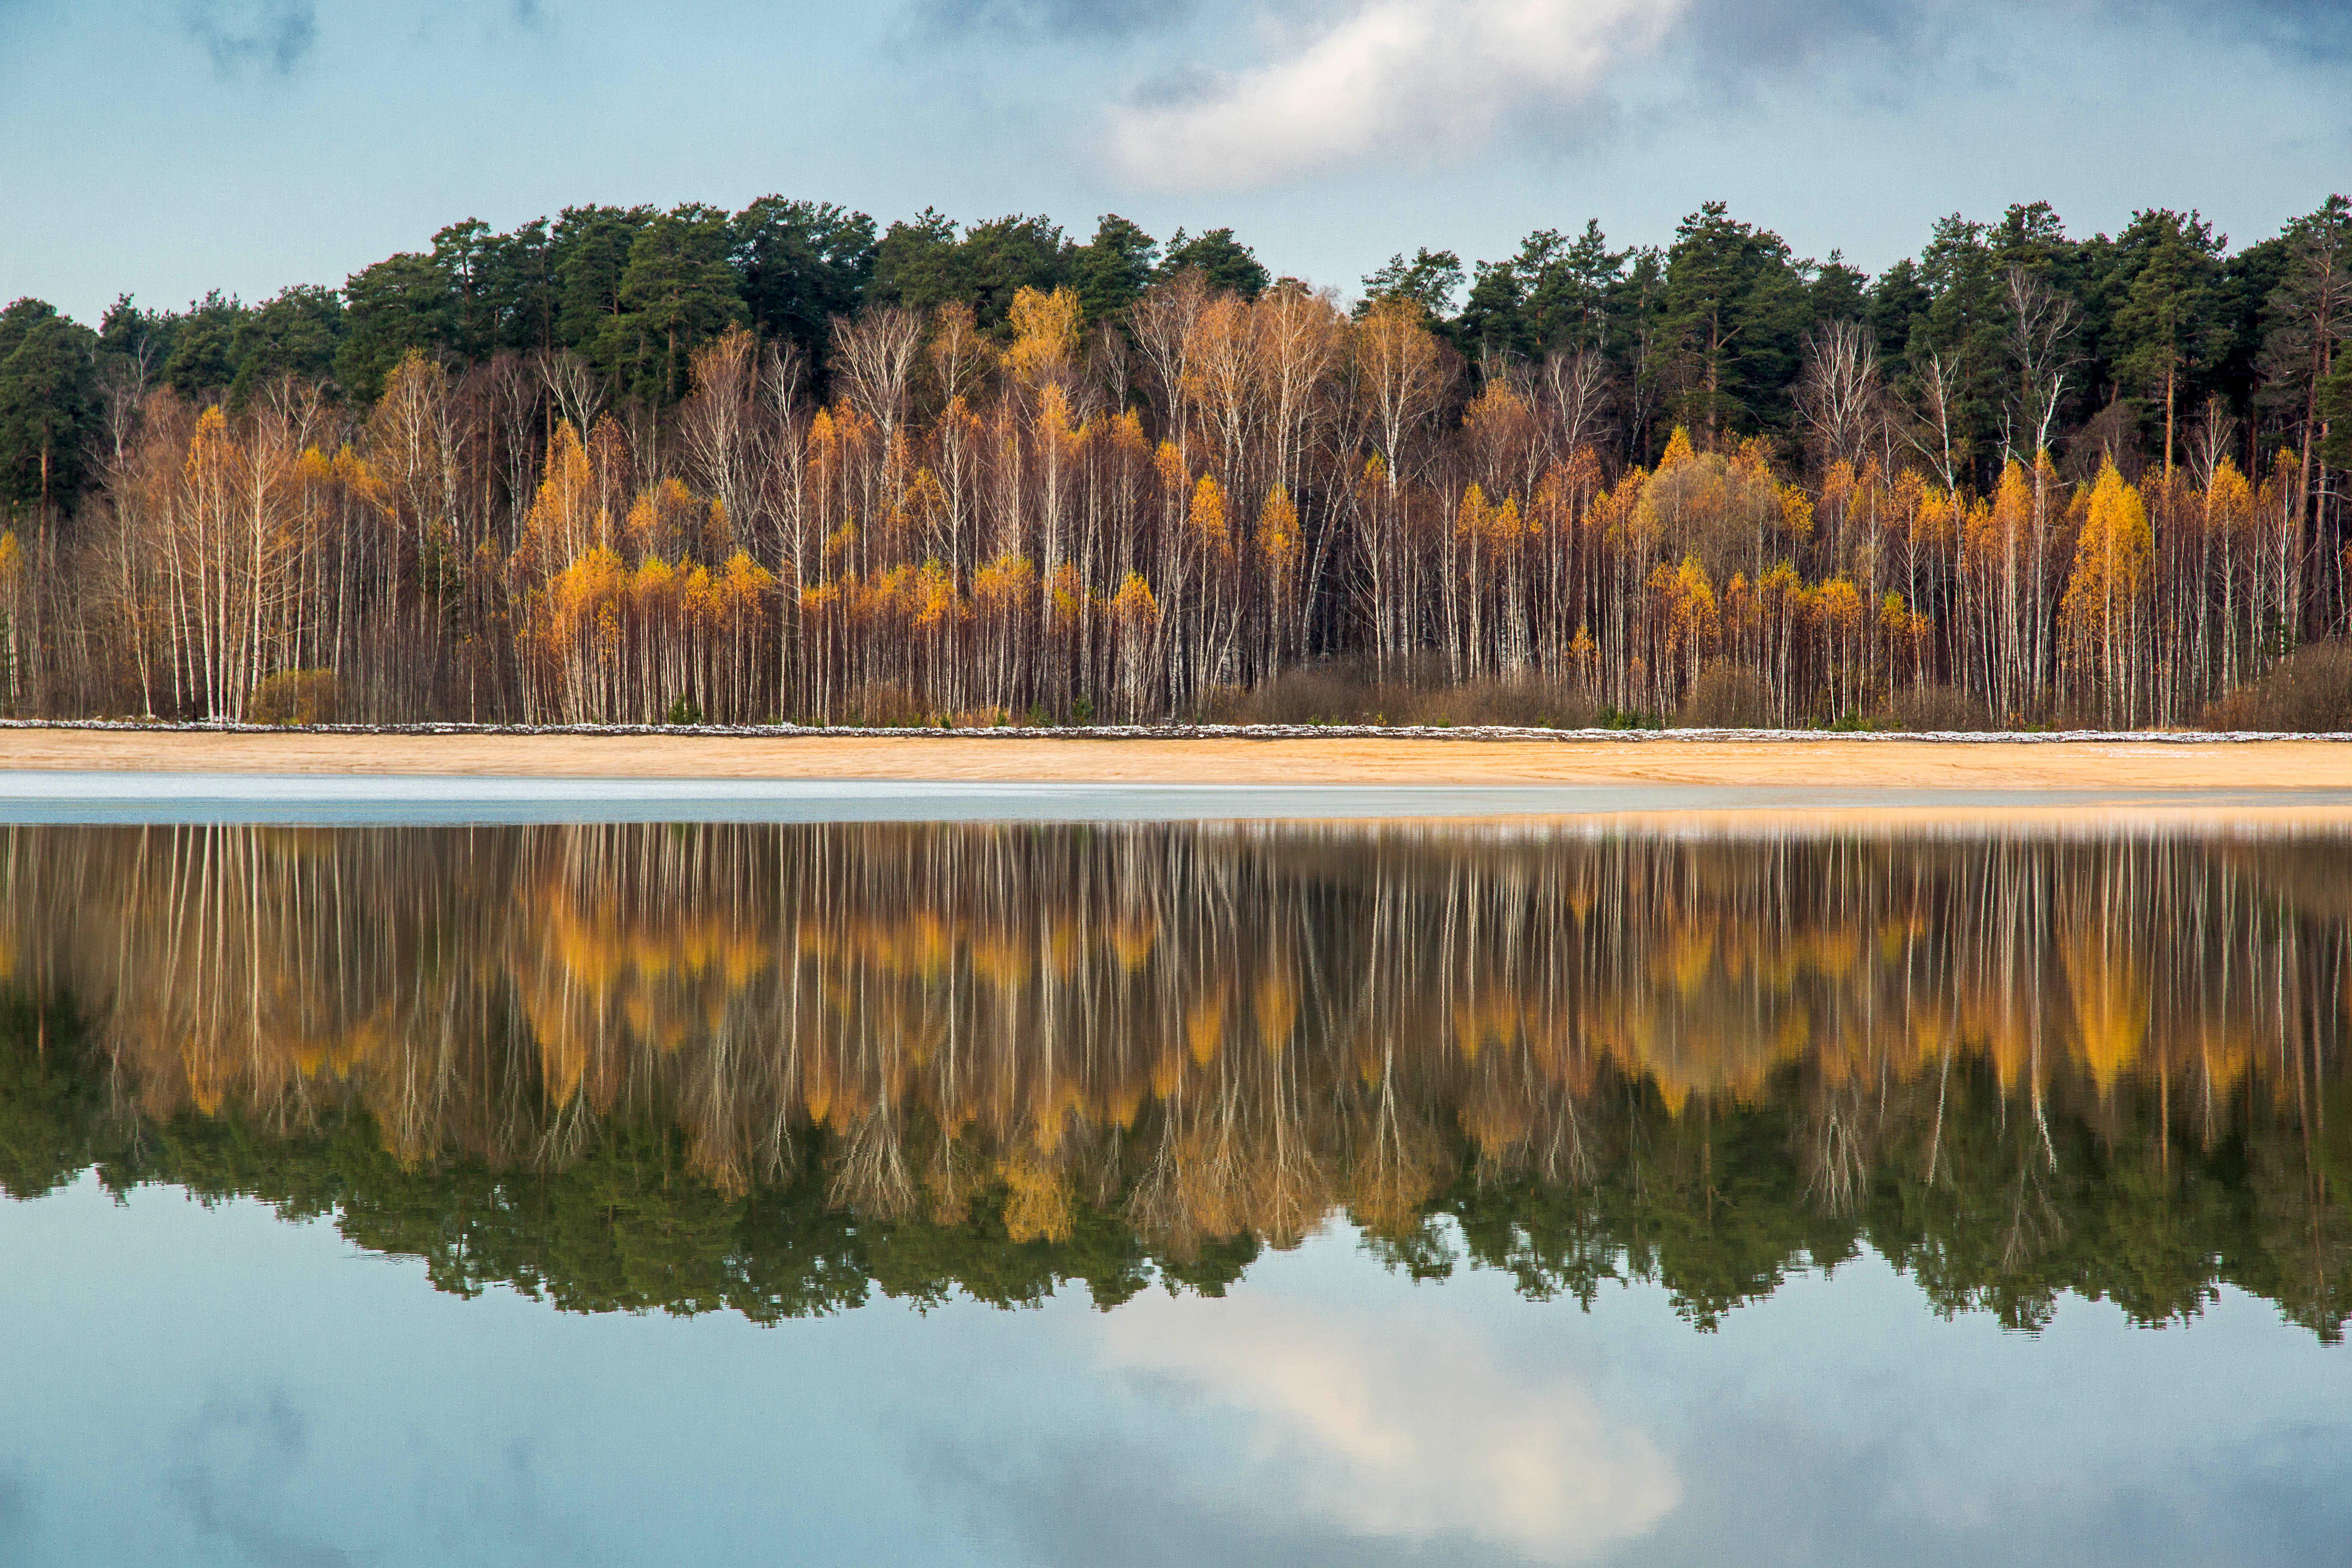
[(783, 730), (1995, 764)]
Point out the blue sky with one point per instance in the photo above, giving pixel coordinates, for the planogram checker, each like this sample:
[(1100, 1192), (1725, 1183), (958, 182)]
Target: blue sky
[(162, 147)]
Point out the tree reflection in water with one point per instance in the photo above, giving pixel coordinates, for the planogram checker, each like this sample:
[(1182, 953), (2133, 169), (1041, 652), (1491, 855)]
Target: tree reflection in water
[(777, 1070)]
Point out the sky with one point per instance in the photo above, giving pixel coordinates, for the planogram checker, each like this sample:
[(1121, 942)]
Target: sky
[(162, 148)]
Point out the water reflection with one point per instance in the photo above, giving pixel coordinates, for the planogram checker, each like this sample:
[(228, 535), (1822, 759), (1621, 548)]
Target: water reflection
[(1408, 1430), (776, 1069)]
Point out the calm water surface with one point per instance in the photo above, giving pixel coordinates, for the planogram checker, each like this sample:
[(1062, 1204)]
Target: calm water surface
[(1021, 1194)]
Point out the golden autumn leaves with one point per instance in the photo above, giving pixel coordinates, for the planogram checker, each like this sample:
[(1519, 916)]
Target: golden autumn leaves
[(622, 638), (1132, 525), (1266, 1024)]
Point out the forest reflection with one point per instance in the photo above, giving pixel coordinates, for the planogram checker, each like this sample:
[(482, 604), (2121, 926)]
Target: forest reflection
[(779, 1069)]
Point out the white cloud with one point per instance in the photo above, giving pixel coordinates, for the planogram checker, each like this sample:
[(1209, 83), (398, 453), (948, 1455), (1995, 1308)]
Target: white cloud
[(1394, 1432), (1389, 77)]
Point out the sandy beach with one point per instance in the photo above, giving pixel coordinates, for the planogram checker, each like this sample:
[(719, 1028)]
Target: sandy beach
[(2121, 766)]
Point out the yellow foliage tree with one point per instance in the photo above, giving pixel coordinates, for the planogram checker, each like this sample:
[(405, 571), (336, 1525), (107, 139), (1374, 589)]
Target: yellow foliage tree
[(1044, 333), (2101, 615)]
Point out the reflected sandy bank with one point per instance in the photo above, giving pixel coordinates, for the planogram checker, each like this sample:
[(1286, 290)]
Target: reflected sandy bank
[(778, 1068)]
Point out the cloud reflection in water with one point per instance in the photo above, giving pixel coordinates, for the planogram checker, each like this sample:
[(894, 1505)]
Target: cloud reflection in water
[(1411, 1431)]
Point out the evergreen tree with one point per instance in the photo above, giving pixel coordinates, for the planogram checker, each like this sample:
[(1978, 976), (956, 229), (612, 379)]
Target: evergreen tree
[(1839, 292), (1955, 357), (1225, 262), (520, 286), (589, 254), (1556, 293), (2309, 316), (134, 337), (203, 354), (1894, 305), (467, 255), (1428, 282), (47, 404), (298, 333), (1111, 271), (1734, 314), (2168, 330), (999, 258), (923, 264), (801, 265), (397, 307), (677, 293)]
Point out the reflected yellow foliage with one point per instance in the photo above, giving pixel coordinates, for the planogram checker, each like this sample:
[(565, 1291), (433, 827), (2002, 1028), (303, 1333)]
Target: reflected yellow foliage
[(974, 1008)]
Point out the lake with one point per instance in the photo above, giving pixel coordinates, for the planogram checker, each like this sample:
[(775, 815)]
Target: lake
[(1286, 1192)]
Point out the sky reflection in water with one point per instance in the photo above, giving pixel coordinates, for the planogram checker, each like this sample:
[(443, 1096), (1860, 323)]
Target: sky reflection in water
[(1516, 1198)]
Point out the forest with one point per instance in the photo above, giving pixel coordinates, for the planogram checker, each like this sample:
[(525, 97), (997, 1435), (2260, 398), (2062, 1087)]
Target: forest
[(789, 465), (777, 1071)]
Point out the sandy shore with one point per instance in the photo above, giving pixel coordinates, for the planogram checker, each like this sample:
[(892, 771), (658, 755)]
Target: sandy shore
[(1827, 764)]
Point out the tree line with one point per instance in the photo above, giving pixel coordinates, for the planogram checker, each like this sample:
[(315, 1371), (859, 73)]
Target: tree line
[(771, 1068), (782, 464)]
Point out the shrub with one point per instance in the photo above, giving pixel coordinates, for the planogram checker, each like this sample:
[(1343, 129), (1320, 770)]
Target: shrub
[(1338, 690), (1725, 695), (2309, 690), (1418, 692), (882, 706), (1919, 708), (293, 697), (685, 710), (1527, 702)]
